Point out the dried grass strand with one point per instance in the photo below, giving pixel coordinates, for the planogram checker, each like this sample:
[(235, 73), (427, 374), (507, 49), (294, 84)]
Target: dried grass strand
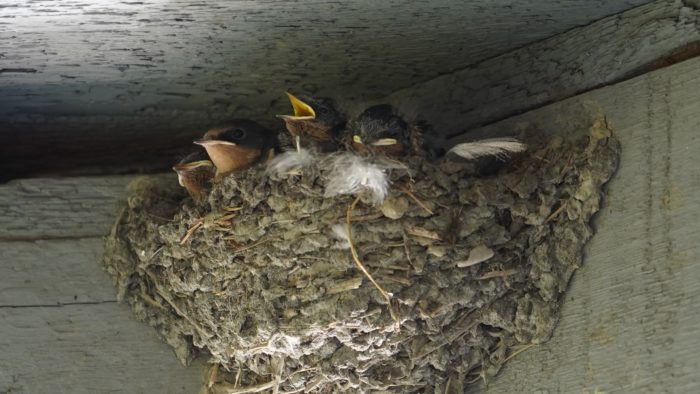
[(356, 259)]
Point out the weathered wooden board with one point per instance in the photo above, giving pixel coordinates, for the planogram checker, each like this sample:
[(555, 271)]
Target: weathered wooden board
[(52, 273), (77, 207), (630, 322), (86, 349), (607, 51), (61, 330), (107, 57), (127, 85)]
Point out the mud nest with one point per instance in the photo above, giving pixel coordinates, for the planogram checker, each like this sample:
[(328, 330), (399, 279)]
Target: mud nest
[(260, 277)]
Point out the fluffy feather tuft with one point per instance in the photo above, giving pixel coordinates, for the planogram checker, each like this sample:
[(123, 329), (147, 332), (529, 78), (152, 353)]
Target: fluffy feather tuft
[(290, 162), (340, 232), (499, 147), (352, 174)]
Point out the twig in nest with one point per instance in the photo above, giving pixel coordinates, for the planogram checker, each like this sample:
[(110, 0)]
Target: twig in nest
[(515, 353), (191, 231), (565, 169), (368, 217), (210, 375), (497, 274), (361, 266), (555, 213), (227, 388), (151, 301), (209, 221), (478, 377), (416, 199), (251, 246), (423, 233)]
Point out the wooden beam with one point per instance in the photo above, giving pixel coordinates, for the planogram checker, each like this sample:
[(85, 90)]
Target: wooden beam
[(608, 51), (630, 321), (32, 209), (223, 57), (53, 273), (61, 329)]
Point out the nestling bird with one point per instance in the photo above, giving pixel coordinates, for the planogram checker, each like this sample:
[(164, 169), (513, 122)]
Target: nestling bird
[(380, 130), (238, 145), (315, 120), (380, 136), (194, 172)]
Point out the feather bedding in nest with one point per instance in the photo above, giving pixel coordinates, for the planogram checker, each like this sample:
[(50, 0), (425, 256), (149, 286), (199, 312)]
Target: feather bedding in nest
[(260, 277)]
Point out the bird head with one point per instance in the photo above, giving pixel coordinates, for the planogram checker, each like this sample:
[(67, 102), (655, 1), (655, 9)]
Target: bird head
[(379, 130), (316, 118), (237, 145), (194, 172)]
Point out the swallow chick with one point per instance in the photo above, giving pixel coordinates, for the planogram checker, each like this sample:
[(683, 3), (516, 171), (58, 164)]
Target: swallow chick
[(378, 137), (194, 172), (238, 145), (315, 120), (380, 130)]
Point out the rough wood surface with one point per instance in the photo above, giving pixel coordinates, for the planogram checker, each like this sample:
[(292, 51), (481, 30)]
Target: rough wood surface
[(106, 57), (61, 330), (607, 51), (53, 273), (630, 321), (86, 349), (127, 85), (59, 208)]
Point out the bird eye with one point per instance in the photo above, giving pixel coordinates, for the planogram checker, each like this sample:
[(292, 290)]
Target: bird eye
[(323, 110), (237, 134)]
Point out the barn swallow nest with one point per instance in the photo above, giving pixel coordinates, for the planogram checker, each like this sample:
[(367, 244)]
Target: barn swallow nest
[(261, 278)]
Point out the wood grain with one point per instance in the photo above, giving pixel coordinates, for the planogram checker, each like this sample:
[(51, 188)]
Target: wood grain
[(608, 51), (53, 273), (76, 207), (86, 349)]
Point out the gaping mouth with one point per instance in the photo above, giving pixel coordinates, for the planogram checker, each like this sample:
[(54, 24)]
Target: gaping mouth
[(302, 111), (192, 165), (379, 142), (181, 169)]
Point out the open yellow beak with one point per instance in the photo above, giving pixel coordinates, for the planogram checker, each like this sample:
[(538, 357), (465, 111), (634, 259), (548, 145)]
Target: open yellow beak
[(356, 139), (301, 109)]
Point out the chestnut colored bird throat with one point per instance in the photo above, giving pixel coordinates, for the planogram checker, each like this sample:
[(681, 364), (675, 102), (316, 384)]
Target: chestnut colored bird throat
[(230, 158), (238, 146)]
